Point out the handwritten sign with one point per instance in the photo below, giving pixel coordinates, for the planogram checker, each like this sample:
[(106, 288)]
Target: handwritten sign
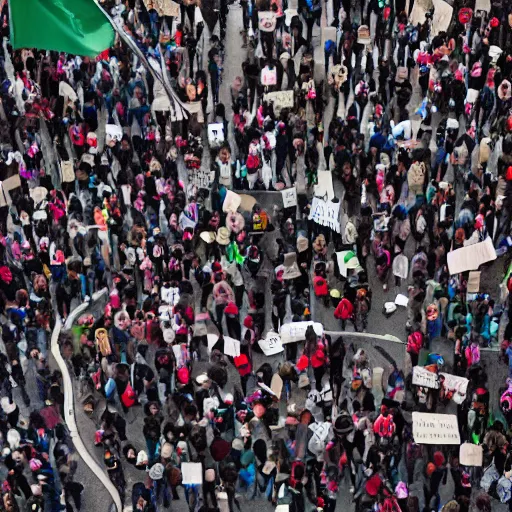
[(424, 378), (163, 7), (201, 178), (215, 134), (296, 331), (471, 454), (267, 21), (455, 387), (289, 197), (429, 428), (325, 213), (271, 344), (280, 100), (192, 473)]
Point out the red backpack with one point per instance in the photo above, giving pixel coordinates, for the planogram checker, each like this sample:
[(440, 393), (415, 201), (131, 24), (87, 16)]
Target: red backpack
[(414, 342), (344, 310), (297, 473)]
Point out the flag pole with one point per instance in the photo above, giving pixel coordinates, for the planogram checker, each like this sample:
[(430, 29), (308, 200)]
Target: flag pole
[(173, 97)]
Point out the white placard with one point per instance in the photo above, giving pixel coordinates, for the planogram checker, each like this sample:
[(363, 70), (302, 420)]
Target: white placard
[(271, 345), (424, 378), (471, 455), (471, 256), (289, 197), (456, 386), (216, 134), (126, 190), (324, 187), (441, 18), (325, 213), (296, 331), (192, 473), (231, 347), (201, 178), (429, 428), (114, 132), (280, 100)]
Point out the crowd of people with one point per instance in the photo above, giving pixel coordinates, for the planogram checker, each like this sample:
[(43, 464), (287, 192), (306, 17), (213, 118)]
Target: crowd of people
[(385, 132)]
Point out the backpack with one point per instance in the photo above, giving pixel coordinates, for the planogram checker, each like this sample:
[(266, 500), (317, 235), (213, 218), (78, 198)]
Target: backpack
[(490, 476), (297, 473), (414, 342), (344, 310), (128, 398), (390, 505)]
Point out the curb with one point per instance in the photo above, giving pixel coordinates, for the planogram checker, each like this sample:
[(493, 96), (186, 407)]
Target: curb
[(69, 409)]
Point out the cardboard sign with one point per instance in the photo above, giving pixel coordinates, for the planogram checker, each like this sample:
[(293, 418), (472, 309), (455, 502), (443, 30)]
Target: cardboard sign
[(441, 18), (424, 378), (216, 134), (455, 387), (473, 282), (289, 197), (280, 100), (271, 345), (68, 171), (269, 76), (296, 331), (163, 7), (429, 428), (471, 257), (192, 473), (267, 21), (326, 213), (471, 454), (276, 385)]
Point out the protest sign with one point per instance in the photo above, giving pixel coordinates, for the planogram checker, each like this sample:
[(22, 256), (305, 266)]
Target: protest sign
[(296, 331), (276, 385), (442, 17), (267, 21), (326, 213), (280, 100), (289, 197), (430, 428), (473, 282), (215, 134), (454, 387), (201, 178), (424, 378), (231, 347), (324, 189), (471, 455), (163, 7), (471, 257), (192, 473), (271, 344), (269, 76)]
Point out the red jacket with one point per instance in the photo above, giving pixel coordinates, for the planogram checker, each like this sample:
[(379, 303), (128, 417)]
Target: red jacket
[(414, 342), (344, 310)]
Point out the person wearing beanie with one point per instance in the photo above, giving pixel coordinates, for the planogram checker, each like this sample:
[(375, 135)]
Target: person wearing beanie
[(233, 321)]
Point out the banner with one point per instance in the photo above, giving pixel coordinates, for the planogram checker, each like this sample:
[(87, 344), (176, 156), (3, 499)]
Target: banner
[(454, 387), (326, 213), (424, 378), (296, 331), (471, 257), (289, 197), (429, 428)]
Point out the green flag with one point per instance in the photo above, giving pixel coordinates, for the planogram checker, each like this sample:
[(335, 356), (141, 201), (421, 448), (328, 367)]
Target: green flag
[(71, 26)]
